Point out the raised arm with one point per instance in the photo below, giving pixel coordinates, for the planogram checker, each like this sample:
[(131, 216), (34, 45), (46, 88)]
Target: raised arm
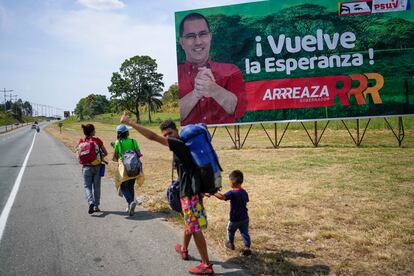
[(147, 133)]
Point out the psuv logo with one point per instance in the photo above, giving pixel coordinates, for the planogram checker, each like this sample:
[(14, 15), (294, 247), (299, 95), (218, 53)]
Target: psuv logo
[(380, 6), (355, 7)]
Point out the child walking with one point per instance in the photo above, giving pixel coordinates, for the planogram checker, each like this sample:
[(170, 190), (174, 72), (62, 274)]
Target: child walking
[(239, 218)]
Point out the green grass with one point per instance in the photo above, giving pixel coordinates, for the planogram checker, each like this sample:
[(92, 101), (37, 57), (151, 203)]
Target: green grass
[(157, 118), (113, 118)]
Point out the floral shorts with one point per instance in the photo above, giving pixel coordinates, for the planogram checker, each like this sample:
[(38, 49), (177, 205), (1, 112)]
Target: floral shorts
[(195, 217)]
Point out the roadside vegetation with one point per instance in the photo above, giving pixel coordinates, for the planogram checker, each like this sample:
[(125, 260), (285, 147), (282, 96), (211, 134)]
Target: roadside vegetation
[(9, 119), (17, 111), (336, 208)]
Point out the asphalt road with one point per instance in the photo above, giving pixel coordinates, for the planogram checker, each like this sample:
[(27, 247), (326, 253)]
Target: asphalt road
[(49, 231), (13, 148)]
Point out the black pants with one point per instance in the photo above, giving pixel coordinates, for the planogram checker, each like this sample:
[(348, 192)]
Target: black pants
[(127, 189)]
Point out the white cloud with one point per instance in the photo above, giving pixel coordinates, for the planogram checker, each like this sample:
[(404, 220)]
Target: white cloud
[(111, 38), (102, 5)]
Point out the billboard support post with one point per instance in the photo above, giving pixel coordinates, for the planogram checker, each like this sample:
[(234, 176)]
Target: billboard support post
[(237, 136), (237, 139), (247, 134), (214, 132), (231, 137), (274, 144), (359, 138), (316, 140), (277, 142), (401, 134)]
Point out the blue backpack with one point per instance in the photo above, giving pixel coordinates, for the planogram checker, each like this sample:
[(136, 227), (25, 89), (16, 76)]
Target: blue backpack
[(173, 196), (198, 140)]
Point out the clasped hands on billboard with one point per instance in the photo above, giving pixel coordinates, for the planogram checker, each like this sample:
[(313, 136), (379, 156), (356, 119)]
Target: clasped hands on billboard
[(295, 60)]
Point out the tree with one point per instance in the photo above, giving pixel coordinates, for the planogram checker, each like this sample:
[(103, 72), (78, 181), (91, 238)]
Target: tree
[(80, 108), (17, 110), (171, 95), (98, 104), (152, 98), (91, 106), (136, 80), (114, 106), (27, 109)]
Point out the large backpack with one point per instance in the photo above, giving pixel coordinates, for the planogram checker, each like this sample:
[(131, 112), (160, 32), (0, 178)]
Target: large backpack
[(89, 152), (131, 161), (198, 140)]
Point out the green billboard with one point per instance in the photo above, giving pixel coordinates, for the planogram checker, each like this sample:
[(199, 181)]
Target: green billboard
[(295, 60)]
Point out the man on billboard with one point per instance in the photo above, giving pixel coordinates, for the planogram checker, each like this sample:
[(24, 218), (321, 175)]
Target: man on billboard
[(209, 92)]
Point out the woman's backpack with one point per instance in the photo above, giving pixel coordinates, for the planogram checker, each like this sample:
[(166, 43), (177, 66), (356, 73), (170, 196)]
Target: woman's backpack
[(88, 152), (131, 161)]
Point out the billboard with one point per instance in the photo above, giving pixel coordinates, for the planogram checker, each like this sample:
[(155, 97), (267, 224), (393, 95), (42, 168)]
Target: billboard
[(295, 60)]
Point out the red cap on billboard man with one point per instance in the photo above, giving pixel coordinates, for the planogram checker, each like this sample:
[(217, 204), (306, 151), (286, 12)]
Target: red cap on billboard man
[(210, 92)]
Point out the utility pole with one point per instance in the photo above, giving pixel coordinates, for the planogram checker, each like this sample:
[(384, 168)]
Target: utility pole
[(5, 100)]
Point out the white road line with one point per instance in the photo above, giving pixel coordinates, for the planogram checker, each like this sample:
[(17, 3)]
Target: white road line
[(7, 208)]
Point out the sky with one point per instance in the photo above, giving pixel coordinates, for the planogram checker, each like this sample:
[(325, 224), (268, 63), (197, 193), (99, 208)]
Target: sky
[(55, 52)]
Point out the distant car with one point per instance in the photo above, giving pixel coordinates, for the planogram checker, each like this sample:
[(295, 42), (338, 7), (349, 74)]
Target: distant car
[(16, 124), (34, 126)]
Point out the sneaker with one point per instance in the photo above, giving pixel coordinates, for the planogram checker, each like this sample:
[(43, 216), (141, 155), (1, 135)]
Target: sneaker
[(229, 245), (91, 207), (183, 253), (132, 208), (246, 252), (96, 209), (202, 269)]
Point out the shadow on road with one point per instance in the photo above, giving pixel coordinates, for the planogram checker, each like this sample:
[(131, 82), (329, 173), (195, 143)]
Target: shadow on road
[(139, 215)]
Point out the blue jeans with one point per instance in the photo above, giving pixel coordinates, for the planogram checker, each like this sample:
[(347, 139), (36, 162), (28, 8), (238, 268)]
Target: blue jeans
[(92, 184), (243, 227), (127, 189)]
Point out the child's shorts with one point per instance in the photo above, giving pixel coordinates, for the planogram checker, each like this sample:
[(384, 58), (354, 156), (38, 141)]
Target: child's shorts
[(195, 217)]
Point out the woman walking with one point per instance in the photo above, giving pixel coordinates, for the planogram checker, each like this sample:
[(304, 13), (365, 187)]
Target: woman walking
[(91, 151)]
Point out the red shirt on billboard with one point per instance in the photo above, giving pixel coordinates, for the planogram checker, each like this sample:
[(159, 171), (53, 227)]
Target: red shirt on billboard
[(209, 108), (209, 92)]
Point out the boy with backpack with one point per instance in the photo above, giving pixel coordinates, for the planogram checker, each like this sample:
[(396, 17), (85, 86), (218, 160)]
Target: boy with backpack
[(127, 152), (195, 218), (91, 151), (239, 218)]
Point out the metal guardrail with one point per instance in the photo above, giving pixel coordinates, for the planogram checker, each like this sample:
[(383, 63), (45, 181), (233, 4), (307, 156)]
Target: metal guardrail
[(7, 128)]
